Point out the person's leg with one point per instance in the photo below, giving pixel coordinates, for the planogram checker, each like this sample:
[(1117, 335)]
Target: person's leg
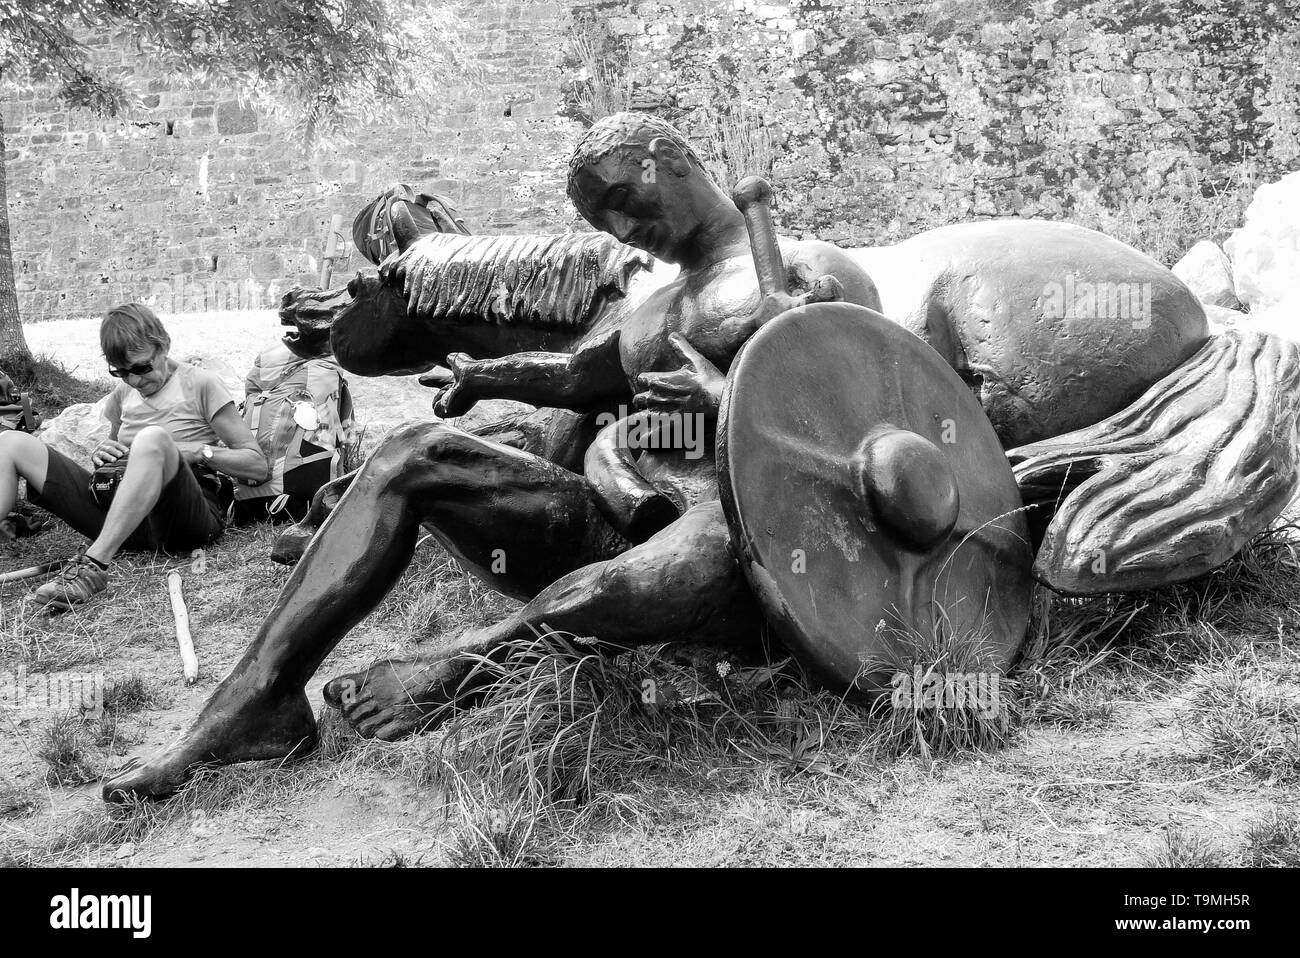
[(21, 456), (683, 584), (153, 464), (186, 517), (514, 519), (65, 491)]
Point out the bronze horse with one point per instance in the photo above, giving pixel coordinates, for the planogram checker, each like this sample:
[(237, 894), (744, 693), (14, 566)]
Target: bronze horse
[(1075, 378)]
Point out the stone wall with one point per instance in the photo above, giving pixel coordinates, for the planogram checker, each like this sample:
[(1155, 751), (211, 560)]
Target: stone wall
[(891, 117), (876, 119), (199, 202)]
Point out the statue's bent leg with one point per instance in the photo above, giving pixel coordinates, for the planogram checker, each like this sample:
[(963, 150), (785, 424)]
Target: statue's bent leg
[(556, 435), (518, 520), (683, 584)]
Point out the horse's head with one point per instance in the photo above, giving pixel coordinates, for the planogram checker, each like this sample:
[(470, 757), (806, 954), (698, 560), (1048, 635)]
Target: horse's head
[(371, 335), (310, 314), (388, 224)]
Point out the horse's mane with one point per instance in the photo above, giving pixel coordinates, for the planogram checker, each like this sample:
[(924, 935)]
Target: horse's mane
[(562, 280)]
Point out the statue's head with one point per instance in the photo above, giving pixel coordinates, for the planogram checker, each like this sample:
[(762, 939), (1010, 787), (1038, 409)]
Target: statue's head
[(634, 176)]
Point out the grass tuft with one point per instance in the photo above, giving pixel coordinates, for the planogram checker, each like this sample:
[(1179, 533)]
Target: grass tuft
[(1273, 841), (1181, 849), (16, 802), (947, 696), (65, 748), (1246, 718), (133, 693)]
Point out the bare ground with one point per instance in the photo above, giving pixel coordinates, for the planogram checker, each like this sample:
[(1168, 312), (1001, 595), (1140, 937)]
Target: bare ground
[(1161, 729)]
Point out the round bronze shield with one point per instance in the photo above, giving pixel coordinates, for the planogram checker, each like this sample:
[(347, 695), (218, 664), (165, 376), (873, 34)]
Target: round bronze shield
[(869, 500)]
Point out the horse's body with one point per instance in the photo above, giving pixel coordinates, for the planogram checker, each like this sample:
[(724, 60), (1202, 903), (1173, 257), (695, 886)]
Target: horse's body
[(1068, 337), (979, 293)]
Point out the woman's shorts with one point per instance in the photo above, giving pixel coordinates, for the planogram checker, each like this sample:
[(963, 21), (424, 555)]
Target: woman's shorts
[(186, 516)]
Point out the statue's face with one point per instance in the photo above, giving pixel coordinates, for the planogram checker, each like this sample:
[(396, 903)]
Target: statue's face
[(630, 195)]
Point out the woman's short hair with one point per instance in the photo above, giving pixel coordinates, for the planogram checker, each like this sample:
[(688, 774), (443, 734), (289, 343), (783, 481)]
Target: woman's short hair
[(133, 327)]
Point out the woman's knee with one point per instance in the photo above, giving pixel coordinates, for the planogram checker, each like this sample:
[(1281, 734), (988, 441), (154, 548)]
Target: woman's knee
[(21, 451), (152, 445)]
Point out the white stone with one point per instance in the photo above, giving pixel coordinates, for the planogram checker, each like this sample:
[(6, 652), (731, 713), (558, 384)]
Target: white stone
[(1265, 251), (1221, 318), (1281, 319), (1207, 271), (76, 431)]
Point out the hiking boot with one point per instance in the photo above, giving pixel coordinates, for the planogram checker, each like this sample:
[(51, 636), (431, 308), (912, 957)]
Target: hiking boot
[(78, 581)]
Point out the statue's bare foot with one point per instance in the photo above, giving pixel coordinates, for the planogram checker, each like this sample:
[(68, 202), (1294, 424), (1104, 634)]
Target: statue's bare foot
[(235, 726), (394, 698)]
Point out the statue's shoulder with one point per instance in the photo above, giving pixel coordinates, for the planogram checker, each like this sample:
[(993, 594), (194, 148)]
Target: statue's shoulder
[(812, 251), (811, 259)]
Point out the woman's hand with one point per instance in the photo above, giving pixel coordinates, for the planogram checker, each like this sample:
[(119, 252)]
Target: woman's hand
[(110, 450), (694, 388), (191, 452)]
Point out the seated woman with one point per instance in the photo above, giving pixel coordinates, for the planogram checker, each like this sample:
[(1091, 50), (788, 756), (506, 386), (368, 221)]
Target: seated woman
[(168, 417)]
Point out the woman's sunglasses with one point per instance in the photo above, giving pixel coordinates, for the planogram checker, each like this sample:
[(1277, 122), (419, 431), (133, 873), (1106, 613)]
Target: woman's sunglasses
[(141, 369)]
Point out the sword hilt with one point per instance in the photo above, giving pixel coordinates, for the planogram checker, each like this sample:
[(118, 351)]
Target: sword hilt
[(752, 197)]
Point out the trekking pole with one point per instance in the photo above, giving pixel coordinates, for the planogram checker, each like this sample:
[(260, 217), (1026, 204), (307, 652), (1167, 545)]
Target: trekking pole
[(189, 660), (331, 250), (33, 571)]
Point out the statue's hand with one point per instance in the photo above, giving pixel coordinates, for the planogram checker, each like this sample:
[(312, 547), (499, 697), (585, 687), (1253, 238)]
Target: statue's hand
[(694, 388), (824, 289), (455, 392)]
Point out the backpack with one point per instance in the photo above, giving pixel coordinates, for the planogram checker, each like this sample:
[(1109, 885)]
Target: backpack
[(16, 408), (300, 410), (19, 415)]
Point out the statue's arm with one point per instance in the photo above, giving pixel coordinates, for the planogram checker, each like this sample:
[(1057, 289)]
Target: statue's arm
[(584, 379)]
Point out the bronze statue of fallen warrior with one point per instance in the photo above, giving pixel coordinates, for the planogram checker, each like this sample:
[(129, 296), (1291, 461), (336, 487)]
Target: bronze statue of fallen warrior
[(850, 484)]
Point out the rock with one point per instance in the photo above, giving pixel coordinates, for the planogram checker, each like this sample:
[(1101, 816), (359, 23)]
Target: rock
[(1222, 318), (76, 431), (126, 851), (1265, 251), (1208, 273), (1281, 319)]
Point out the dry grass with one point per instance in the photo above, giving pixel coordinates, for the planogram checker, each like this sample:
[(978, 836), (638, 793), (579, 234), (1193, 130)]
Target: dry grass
[(1167, 224), (572, 758), (606, 85), (1181, 849), (1273, 841), (1245, 715), (738, 144), (66, 749), (52, 386)]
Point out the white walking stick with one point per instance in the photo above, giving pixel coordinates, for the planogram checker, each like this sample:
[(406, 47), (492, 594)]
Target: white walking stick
[(182, 617), (33, 572)]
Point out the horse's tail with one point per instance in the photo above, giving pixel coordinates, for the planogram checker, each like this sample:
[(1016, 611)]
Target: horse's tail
[(1175, 484)]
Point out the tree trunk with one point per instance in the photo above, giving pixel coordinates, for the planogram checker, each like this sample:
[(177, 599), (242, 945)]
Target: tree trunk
[(13, 344)]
